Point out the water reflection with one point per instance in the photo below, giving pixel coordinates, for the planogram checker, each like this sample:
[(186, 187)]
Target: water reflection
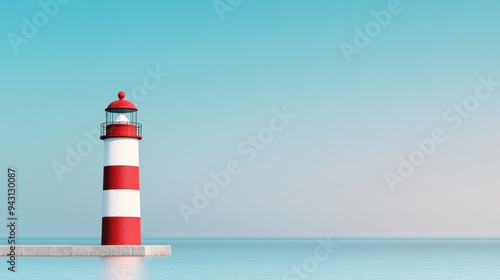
[(123, 268)]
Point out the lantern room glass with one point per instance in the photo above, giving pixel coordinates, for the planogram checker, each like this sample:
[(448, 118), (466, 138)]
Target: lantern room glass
[(121, 117)]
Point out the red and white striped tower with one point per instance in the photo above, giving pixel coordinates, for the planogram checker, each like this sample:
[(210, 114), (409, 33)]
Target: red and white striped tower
[(121, 218)]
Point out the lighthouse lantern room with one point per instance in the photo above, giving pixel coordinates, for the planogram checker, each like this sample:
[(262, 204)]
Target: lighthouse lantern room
[(121, 119)]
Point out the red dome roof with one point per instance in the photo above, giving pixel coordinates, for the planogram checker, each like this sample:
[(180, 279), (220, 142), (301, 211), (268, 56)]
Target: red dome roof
[(121, 105)]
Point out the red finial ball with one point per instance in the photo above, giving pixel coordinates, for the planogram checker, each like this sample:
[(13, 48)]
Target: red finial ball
[(121, 95)]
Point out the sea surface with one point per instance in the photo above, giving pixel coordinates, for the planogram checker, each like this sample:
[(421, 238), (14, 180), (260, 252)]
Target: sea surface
[(301, 259)]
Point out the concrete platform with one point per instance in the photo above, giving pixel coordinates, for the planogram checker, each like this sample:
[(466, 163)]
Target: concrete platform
[(86, 251)]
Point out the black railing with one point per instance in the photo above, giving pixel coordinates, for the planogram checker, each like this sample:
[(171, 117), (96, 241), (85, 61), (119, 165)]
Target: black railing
[(110, 129)]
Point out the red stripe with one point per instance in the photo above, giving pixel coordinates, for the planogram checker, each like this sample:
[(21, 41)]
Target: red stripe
[(121, 177), (121, 231)]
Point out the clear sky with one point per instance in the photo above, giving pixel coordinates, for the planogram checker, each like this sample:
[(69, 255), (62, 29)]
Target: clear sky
[(361, 86)]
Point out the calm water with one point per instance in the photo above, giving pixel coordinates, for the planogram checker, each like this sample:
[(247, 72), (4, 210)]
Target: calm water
[(311, 259)]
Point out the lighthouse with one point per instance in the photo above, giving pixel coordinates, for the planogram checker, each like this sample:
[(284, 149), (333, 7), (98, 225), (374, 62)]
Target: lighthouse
[(121, 211), (121, 217)]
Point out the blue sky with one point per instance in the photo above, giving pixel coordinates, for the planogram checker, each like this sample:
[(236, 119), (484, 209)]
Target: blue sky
[(324, 174)]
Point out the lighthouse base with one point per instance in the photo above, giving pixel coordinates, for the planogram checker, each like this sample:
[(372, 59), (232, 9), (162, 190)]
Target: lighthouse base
[(86, 251)]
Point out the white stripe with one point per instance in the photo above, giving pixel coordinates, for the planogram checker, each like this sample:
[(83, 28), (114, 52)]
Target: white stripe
[(121, 203), (121, 151)]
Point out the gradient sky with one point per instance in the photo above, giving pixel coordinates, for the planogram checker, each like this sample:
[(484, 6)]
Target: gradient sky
[(323, 175)]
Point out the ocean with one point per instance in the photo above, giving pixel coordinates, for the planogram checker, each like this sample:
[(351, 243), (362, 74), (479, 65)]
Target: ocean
[(301, 259)]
